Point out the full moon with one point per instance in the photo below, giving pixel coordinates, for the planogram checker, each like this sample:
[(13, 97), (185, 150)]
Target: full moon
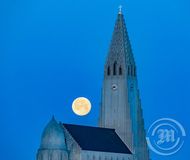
[(81, 106)]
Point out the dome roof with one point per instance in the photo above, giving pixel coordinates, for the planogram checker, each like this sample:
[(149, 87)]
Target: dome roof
[(53, 136)]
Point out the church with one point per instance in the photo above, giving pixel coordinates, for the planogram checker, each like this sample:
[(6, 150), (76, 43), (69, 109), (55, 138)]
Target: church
[(120, 134)]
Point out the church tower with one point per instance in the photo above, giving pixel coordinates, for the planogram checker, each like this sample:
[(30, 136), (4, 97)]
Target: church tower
[(121, 105)]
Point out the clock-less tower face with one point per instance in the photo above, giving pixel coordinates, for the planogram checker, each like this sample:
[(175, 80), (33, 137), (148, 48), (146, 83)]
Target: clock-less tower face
[(115, 109), (114, 87)]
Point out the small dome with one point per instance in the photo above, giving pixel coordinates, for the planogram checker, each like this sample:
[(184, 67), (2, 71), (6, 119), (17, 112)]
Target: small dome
[(53, 136)]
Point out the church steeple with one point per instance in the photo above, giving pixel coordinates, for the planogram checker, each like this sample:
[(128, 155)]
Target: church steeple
[(120, 52), (121, 103)]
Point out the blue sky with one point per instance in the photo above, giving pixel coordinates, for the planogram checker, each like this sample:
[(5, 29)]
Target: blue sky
[(54, 51)]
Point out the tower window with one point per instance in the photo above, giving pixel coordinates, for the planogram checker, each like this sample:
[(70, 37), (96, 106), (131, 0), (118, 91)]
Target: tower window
[(115, 68), (108, 71), (135, 71), (120, 70), (128, 70), (132, 70)]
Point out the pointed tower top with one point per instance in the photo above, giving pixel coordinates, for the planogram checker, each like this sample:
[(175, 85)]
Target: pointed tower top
[(120, 50), (53, 118), (120, 9)]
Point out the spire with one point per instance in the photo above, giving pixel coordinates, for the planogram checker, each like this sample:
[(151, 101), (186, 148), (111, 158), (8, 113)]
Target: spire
[(120, 9), (120, 48), (53, 118)]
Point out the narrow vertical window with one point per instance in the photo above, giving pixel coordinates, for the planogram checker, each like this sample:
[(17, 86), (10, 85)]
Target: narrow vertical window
[(134, 71), (128, 70), (114, 68), (120, 70), (108, 71)]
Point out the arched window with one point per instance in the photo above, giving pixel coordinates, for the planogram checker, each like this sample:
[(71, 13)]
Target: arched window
[(120, 70), (134, 71), (108, 71), (115, 68)]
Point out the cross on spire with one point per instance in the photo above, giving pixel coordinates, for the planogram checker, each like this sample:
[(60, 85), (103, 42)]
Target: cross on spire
[(120, 9)]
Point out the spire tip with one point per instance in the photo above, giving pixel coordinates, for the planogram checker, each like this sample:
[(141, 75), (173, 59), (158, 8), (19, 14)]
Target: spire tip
[(120, 9), (53, 117)]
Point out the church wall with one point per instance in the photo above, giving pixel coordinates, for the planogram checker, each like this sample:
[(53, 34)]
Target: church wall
[(115, 111), (96, 155), (74, 150), (52, 154)]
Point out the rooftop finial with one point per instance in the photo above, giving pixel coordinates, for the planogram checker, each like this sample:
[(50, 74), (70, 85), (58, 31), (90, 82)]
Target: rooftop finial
[(120, 9)]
